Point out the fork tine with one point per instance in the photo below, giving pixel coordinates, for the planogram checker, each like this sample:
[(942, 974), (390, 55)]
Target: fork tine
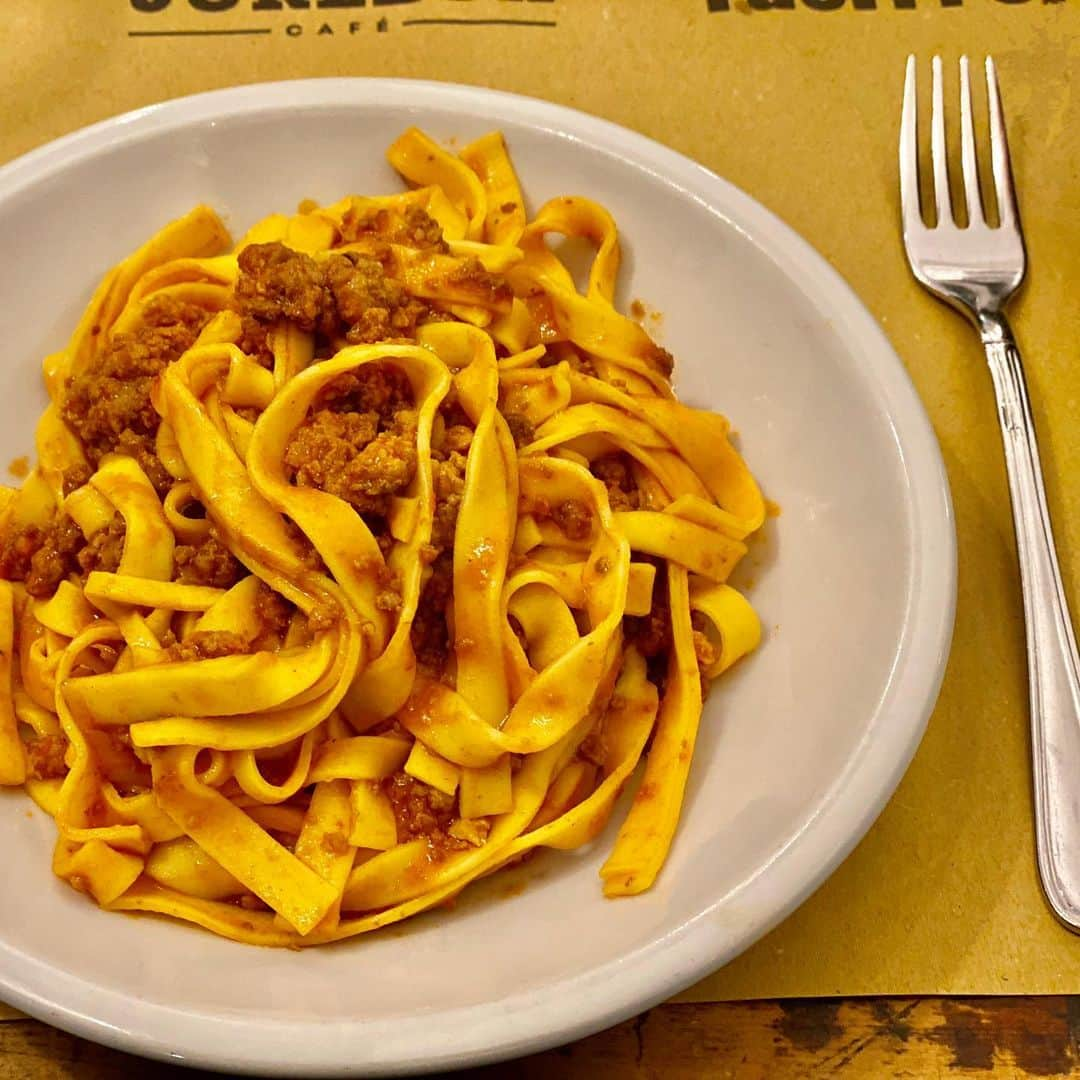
[(999, 151), (909, 154), (968, 160), (938, 155)]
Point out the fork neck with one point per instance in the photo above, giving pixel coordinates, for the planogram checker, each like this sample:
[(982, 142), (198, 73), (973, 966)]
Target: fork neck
[(994, 328)]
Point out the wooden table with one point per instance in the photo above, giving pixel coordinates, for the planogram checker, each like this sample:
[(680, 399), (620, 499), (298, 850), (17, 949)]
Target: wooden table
[(878, 1039)]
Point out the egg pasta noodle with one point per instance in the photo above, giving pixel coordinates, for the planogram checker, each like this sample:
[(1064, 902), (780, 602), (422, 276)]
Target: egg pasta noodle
[(361, 559)]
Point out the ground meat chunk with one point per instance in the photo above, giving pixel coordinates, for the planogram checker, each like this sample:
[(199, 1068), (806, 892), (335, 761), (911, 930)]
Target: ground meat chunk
[(349, 293), (207, 645), (178, 323), (55, 557), (142, 448), (326, 442), (360, 442), (208, 563), (614, 472), (381, 389), (105, 549), (414, 228), (651, 633), (652, 636), (574, 518), (707, 653), (704, 650), (109, 401), (340, 453), (277, 283), (322, 616), (422, 811), (457, 439), (45, 757), (372, 305), (273, 610), (419, 229), (521, 428), (48, 569), (17, 548), (254, 340), (430, 634), (449, 480), (388, 598), (76, 477)]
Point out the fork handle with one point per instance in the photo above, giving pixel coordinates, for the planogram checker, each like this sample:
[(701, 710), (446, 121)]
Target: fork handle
[(1053, 670)]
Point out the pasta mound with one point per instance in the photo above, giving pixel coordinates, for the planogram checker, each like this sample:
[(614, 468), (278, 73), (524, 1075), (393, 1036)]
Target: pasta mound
[(361, 559)]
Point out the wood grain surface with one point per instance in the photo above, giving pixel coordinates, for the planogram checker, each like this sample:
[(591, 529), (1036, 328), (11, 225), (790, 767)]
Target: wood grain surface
[(870, 1039)]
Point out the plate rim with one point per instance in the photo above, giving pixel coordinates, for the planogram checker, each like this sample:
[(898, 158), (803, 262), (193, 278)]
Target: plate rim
[(554, 1015)]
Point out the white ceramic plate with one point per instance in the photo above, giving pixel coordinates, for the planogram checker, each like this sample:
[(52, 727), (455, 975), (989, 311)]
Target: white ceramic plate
[(800, 747)]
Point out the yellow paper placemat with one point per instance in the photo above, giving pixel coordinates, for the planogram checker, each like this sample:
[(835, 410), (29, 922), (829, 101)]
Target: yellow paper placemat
[(798, 105)]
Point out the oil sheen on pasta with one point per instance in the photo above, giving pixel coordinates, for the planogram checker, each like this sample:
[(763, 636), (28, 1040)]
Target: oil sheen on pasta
[(360, 559)]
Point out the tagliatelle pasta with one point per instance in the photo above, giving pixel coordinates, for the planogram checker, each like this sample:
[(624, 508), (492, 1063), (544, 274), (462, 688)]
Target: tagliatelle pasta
[(361, 559)]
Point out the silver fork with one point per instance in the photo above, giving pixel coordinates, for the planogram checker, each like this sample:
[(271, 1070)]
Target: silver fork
[(977, 269)]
